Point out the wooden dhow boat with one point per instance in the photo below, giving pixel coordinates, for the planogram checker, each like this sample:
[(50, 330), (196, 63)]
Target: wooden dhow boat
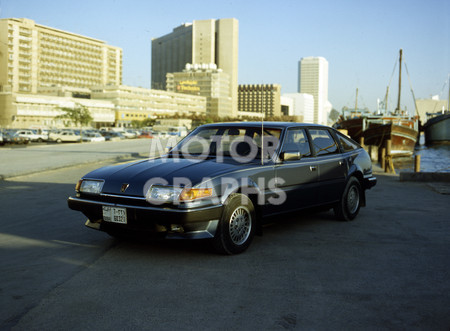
[(400, 128)]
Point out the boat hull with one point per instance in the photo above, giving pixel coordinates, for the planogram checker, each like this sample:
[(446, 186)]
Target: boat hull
[(437, 130), (354, 127), (403, 139)]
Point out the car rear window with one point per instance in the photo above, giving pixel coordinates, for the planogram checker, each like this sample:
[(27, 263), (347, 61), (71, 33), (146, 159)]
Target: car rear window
[(347, 144), (323, 142)]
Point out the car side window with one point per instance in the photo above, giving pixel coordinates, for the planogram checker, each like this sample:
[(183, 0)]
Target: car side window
[(297, 141), (347, 144), (322, 141)]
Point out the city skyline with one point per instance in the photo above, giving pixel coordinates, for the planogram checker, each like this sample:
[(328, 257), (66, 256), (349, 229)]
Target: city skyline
[(359, 40)]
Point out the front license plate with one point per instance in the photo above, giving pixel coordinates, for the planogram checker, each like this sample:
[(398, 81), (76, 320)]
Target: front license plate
[(114, 215)]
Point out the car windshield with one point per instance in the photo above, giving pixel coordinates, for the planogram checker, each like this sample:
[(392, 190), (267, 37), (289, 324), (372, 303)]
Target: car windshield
[(237, 142)]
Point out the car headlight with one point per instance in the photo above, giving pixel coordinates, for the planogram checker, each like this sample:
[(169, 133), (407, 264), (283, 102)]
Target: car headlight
[(163, 194), (89, 186)]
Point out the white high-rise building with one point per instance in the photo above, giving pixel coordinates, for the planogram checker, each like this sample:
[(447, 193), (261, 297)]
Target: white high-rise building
[(302, 105), (313, 79)]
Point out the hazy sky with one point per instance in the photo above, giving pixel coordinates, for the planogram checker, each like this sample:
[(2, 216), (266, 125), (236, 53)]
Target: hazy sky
[(360, 39)]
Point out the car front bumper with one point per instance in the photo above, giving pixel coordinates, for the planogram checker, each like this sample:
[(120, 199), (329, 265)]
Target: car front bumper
[(370, 182), (195, 223)]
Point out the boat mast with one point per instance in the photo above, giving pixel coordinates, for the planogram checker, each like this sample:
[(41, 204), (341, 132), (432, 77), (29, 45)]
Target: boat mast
[(399, 82), (386, 101), (356, 103)]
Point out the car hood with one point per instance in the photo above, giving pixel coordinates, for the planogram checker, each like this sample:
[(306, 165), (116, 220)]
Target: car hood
[(140, 174)]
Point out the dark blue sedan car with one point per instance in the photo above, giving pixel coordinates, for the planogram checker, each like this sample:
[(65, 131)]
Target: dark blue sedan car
[(222, 180)]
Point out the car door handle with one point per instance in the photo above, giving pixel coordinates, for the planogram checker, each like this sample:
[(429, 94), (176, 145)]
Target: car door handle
[(313, 168)]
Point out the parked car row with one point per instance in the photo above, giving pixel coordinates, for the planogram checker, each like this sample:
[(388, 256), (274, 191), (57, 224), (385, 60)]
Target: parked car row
[(24, 136), (86, 136)]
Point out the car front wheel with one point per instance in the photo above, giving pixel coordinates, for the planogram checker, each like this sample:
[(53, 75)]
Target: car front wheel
[(237, 227), (348, 207)]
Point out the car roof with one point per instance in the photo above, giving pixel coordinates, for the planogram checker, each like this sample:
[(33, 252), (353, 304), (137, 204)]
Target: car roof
[(280, 125)]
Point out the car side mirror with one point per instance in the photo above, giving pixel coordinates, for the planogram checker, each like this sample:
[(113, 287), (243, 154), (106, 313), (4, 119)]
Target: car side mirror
[(290, 156)]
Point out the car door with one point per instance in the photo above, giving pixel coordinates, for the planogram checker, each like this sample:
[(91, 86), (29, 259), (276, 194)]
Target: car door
[(332, 166), (296, 177)]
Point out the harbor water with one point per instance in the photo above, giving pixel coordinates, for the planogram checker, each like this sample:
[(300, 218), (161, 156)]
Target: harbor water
[(434, 158)]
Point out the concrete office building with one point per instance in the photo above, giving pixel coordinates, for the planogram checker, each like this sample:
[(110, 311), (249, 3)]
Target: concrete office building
[(259, 100), (109, 105), (302, 105), (287, 105), (313, 80), (207, 81), (33, 56), (25, 110), (200, 42), (136, 103), (66, 91)]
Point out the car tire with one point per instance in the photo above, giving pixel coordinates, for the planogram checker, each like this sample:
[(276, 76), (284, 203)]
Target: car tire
[(58, 140), (348, 207), (236, 228)]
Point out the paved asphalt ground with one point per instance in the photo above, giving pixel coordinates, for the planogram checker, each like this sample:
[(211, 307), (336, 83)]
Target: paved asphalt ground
[(388, 269), (34, 158)]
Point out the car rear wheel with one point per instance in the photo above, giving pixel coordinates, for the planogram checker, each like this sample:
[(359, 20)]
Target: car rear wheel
[(348, 208), (237, 227)]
